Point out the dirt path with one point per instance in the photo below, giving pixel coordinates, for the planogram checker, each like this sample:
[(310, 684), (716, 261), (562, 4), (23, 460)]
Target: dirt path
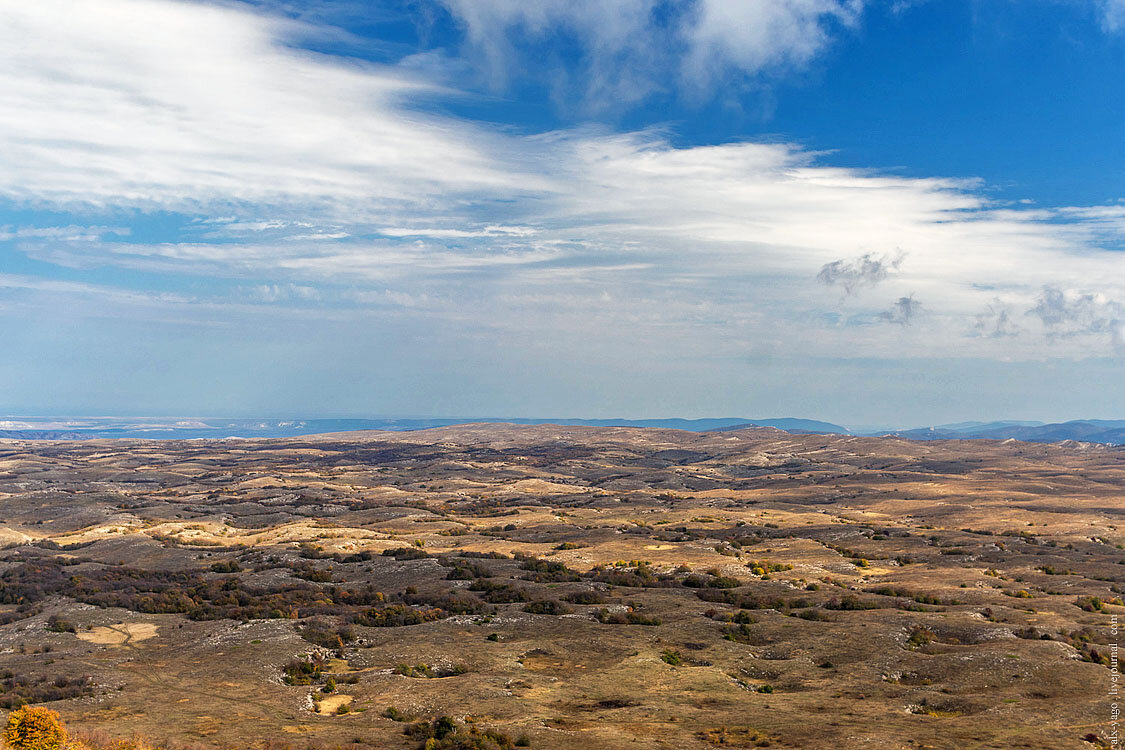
[(154, 676), (121, 634)]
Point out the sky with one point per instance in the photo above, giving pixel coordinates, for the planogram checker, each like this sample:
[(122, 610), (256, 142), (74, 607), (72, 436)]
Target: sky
[(889, 213)]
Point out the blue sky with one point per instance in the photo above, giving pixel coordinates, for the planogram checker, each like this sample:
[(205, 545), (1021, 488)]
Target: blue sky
[(889, 213)]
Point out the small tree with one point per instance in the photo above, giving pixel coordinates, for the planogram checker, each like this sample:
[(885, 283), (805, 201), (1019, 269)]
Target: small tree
[(35, 728)]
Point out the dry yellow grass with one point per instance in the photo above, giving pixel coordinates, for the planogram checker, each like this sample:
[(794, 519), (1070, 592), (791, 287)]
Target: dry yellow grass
[(950, 530), (329, 705), (121, 634)]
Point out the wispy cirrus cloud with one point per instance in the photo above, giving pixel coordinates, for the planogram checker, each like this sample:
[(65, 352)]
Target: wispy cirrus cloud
[(305, 179), (630, 49), (177, 105), (70, 233), (1113, 14)]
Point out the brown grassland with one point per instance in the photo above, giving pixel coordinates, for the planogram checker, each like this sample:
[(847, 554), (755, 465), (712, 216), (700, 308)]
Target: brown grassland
[(565, 587)]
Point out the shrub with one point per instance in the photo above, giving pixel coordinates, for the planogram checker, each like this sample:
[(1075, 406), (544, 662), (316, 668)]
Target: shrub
[(309, 572), (443, 733), (405, 553), (426, 671), (642, 576), (604, 616), (546, 607), (325, 635), (742, 600), (851, 602), (634, 618), (499, 593), (16, 691), (1085, 641), (921, 598), (56, 624), (450, 603), (398, 615), (303, 671), (765, 567), (735, 737), (463, 570), (742, 634), (395, 714), (920, 636), (484, 555), (546, 571), (35, 728), (588, 596), (697, 581), (184, 592), (741, 617)]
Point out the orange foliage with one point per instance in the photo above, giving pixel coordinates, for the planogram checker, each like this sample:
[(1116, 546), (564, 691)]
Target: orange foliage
[(35, 728)]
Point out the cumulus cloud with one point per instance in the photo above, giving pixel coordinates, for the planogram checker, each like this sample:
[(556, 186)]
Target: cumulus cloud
[(1070, 313), (753, 35), (903, 311), (620, 41), (296, 171), (630, 48), (866, 270), (995, 321)]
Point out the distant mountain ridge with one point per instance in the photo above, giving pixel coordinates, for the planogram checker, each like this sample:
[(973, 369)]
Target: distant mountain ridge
[(41, 435), (789, 424), (184, 429), (1107, 431)]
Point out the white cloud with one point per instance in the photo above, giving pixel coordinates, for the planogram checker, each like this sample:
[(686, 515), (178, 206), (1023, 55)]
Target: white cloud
[(1069, 313), (68, 233), (76, 289), (866, 270), (618, 40), (491, 230), (272, 293), (184, 105), (995, 321), (902, 311), (1113, 14), (313, 179), (629, 47), (753, 35)]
